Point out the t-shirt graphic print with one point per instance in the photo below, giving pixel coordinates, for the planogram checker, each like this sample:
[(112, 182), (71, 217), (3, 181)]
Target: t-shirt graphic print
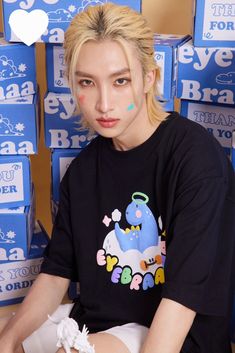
[(134, 256)]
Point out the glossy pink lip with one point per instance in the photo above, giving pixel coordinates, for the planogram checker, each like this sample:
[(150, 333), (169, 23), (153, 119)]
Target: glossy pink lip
[(107, 122)]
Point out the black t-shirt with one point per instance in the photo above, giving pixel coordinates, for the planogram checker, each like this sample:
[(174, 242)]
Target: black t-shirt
[(155, 221)]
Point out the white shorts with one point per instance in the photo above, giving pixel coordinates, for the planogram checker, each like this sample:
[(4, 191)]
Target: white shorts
[(44, 339)]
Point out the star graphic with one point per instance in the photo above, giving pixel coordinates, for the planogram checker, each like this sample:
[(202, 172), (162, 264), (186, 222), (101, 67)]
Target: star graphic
[(22, 67), (106, 220), (11, 234), (72, 8), (19, 127)]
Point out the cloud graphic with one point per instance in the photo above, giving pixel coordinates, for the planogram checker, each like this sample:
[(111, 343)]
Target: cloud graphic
[(7, 129), (87, 3), (8, 70), (226, 79), (60, 15), (5, 239)]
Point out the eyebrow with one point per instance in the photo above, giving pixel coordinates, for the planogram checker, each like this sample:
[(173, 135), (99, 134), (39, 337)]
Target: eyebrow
[(114, 74)]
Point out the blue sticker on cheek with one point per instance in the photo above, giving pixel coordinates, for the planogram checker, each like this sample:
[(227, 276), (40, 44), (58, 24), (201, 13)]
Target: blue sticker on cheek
[(131, 107)]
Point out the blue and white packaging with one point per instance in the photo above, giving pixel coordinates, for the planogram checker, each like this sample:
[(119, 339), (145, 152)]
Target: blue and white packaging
[(56, 69), (16, 231), (166, 46), (233, 153), (17, 277), (17, 70), (59, 13), (60, 161), (217, 119), (62, 128), (19, 125), (214, 23), (168, 106), (206, 74), (15, 181)]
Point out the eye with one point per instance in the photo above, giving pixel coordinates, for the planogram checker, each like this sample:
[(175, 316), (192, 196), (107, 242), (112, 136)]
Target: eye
[(85, 83), (122, 81)]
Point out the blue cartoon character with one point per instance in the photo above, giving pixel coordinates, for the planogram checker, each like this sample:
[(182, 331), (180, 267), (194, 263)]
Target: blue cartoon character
[(226, 79), (134, 257), (144, 232), (86, 3), (8, 69)]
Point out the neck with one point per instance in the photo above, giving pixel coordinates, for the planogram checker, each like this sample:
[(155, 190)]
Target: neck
[(128, 142)]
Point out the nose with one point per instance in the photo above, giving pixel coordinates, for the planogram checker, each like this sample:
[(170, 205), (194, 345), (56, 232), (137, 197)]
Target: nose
[(103, 104)]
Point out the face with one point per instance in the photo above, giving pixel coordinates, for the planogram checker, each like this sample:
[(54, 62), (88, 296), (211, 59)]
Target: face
[(111, 103)]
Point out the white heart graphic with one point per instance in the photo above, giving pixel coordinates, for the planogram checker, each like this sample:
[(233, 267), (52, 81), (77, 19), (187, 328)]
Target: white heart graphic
[(28, 26)]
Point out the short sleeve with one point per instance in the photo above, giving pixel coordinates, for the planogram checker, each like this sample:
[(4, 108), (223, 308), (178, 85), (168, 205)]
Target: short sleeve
[(199, 261), (59, 257)]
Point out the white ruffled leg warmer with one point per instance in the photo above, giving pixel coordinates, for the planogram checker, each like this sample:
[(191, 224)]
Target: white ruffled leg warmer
[(69, 336)]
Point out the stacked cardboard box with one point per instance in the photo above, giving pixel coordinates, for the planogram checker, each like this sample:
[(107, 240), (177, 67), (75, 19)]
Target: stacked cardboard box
[(17, 271), (19, 135), (206, 72), (166, 48)]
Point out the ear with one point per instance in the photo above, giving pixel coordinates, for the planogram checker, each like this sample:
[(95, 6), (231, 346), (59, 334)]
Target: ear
[(149, 80)]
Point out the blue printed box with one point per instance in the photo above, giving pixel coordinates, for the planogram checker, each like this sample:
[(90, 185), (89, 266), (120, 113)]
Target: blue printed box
[(56, 69), (57, 15), (17, 70), (61, 124), (60, 160), (168, 106), (214, 23), (17, 277), (16, 230), (206, 74), (166, 46), (15, 181), (19, 130), (233, 151), (217, 119)]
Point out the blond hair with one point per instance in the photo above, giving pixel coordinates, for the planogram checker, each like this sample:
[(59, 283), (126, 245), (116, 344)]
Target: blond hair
[(124, 25)]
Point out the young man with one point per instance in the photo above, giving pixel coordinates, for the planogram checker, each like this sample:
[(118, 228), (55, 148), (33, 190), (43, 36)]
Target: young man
[(146, 216)]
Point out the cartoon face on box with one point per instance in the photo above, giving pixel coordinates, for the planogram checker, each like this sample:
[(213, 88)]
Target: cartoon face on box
[(57, 14), (17, 70)]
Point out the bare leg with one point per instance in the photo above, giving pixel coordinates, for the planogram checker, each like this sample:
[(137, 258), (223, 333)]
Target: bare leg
[(3, 322), (103, 342)]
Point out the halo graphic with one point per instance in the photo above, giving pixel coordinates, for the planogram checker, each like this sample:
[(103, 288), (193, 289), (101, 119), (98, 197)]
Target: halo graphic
[(141, 194)]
